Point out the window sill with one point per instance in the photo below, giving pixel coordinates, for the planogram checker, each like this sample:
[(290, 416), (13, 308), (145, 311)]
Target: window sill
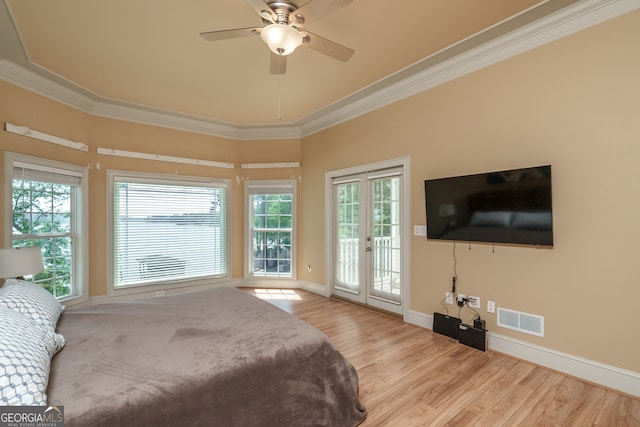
[(155, 288)]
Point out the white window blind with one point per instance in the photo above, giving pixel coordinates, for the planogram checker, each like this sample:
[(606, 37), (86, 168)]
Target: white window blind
[(41, 173), (168, 231)]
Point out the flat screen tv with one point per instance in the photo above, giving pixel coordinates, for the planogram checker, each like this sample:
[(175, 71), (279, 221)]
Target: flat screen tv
[(510, 206)]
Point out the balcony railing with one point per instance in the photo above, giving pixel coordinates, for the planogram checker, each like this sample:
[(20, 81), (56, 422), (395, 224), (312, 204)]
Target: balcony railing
[(385, 258)]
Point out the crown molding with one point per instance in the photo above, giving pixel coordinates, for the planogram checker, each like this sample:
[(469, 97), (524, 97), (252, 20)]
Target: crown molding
[(173, 120), (103, 107), (434, 71), (41, 85), (465, 57)]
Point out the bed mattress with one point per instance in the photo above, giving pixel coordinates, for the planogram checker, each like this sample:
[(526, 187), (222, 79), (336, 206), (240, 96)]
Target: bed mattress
[(218, 357)]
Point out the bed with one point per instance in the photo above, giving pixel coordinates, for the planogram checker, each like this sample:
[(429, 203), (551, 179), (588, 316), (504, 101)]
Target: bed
[(213, 357)]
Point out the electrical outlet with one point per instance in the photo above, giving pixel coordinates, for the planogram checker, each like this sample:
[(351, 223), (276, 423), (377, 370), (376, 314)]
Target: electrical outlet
[(474, 302), (461, 298), (491, 307), (448, 297)]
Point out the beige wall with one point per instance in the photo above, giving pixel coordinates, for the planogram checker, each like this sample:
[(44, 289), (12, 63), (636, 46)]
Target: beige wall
[(574, 104), (23, 108)]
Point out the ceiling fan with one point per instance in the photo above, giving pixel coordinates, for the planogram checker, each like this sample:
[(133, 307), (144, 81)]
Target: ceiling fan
[(283, 30)]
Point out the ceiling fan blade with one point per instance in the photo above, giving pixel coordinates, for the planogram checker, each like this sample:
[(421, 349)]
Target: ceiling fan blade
[(261, 9), (326, 47), (229, 34), (317, 9), (278, 64)]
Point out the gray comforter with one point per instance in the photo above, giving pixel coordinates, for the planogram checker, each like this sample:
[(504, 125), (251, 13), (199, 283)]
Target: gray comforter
[(218, 357)]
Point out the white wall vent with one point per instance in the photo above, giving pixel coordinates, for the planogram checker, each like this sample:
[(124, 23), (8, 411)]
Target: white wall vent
[(519, 321)]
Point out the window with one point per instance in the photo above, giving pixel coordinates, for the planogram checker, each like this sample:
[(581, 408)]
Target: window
[(270, 226), (167, 230), (48, 210)]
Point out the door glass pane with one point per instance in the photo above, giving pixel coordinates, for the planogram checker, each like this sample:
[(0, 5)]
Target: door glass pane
[(348, 234), (385, 233)]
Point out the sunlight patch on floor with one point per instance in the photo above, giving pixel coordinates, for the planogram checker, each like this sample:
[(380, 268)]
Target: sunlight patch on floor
[(277, 294)]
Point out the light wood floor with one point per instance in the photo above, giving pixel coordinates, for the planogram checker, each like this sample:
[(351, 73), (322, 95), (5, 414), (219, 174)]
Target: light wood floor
[(410, 376)]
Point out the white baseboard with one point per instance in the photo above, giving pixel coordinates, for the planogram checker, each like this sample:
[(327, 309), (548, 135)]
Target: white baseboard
[(589, 370), (420, 319), (315, 288)]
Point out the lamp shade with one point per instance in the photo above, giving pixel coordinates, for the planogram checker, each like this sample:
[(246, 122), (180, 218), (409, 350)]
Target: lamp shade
[(282, 39), (20, 262)]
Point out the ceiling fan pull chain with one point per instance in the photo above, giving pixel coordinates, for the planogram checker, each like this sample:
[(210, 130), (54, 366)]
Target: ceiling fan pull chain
[(279, 116)]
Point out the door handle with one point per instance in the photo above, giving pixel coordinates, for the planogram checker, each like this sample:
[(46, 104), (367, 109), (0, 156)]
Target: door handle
[(369, 249)]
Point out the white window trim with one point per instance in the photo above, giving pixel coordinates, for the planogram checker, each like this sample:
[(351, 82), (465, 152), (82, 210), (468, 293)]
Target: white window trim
[(248, 236), (81, 244), (161, 287)]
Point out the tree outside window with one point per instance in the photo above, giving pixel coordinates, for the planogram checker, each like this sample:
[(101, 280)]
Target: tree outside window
[(42, 217), (271, 228)]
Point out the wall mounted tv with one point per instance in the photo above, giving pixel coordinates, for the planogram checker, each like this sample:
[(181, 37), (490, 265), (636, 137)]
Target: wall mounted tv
[(510, 206)]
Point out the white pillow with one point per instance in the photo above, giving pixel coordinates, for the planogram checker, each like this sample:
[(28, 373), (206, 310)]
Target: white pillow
[(35, 302), (31, 299), (26, 348)]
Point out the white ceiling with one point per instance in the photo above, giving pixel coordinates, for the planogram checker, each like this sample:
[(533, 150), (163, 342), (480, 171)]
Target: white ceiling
[(147, 55)]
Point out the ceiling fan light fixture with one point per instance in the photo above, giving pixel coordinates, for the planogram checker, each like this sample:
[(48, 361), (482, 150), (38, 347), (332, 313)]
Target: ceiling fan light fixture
[(282, 39)]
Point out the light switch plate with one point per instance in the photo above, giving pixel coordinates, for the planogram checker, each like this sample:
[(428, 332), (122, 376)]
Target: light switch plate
[(419, 230), (491, 307)]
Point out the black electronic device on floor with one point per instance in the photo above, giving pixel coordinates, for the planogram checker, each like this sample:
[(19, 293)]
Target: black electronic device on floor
[(446, 325), (472, 336)]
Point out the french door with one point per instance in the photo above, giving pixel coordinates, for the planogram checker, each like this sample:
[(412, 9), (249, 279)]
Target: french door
[(367, 238)]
